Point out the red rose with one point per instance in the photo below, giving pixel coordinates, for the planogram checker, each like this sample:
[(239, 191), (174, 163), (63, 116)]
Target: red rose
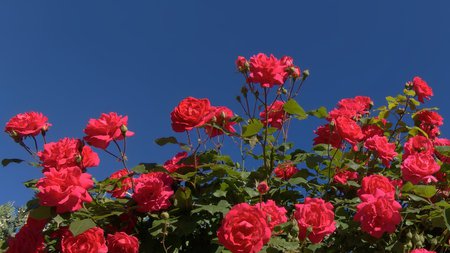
[(275, 215), (222, 118), (174, 164), (317, 216), (275, 115), (267, 71), (442, 142), (419, 168), (65, 189), (422, 251), (67, 152), (27, 124), (242, 64), (422, 89), (343, 176), (120, 177), (372, 130), (120, 242), (152, 192), (263, 187), (373, 183), (244, 229), (90, 241), (351, 108), (285, 170), (418, 144), (384, 149), (326, 135), (109, 127), (378, 214), (349, 130), (429, 122), (191, 112), (29, 238)]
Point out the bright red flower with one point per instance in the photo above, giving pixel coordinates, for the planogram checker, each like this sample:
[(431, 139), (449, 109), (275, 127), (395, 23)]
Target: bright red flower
[(422, 89), (418, 144), (275, 215), (152, 192), (384, 149), (120, 177), (372, 130), (325, 135), (174, 164), (378, 213), (67, 152), (343, 176), (442, 142), (120, 242), (241, 64), (349, 130), (29, 239), (429, 118), (285, 170), (351, 108), (244, 229), (275, 115), (65, 189), (263, 187), (27, 124), (419, 168), (267, 71), (190, 113), (109, 127), (222, 118), (90, 241), (373, 183), (317, 216), (422, 251)]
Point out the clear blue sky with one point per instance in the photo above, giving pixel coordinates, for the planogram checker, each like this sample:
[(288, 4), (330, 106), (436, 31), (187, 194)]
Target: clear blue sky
[(73, 60)]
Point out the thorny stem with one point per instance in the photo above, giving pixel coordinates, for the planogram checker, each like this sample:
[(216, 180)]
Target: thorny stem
[(264, 143), (400, 119), (164, 237), (123, 160)]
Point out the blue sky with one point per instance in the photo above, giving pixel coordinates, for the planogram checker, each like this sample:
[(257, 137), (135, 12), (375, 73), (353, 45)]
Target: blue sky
[(75, 60)]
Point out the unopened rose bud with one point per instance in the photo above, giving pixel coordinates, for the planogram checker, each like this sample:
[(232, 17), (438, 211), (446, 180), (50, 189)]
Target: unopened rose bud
[(305, 74), (409, 245), (408, 85), (214, 119), (434, 241), (242, 64), (263, 187), (78, 159), (124, 129), (295, 72), (223, 115), (15, 136), (238, 98), (244, 91), (284, 90), (409, 235), (165, 215)]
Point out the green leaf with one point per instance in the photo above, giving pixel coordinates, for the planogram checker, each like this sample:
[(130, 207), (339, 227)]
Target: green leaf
[(443, 150), (30, 183), (79, 226), (283, 245), (292, 107), (251, 192), (5, 162), (426, 191), (446, 215), (320, 113), (183, 198), (166, 140), (42, 212), (222, 207), (254, 126)]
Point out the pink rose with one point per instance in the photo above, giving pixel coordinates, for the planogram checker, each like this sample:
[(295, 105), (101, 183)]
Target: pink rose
[(244, 229), (285, 170), (27, 124), (275, 115), (422, 89), (120, 242), (90, 241), (343, 176), (373, 183), (152, 192), (275, 215), (419, 168), (29, 239), (317, 216), (351, 108), (241, 64), (120, 177), (385, 150), (190, 113), (422, 251), (349, 130), (267, 71), (222, 118), (327, 135), (418, 144), (174, 164), (65, 189), (378, 214), (67, 152), (109, 127), (372, 130)]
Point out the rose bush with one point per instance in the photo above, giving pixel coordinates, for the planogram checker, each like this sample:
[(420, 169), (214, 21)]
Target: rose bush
[(375, 180)]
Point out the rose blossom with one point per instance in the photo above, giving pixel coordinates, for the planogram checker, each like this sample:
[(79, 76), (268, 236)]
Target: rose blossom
[(122, 177), (343, 176), (429, 118), (65, 189), (174, 164), (242, 64), (244, 229), (442, 142), (263, 187), (29, 238), (285, 170), (422, 251), (419, 168), (109, 127), (384, 149), (349, 130), (275, 215), (326, 135), (267, 71), (27, 124), (152, 192), (378, 213), (275, 115), (351, 108), (372, 130), (190, 113), (90, 241), (67, 152), (222, 118), (317, 216), (422, 89), (120, 242), (418, 144), (371, 184)]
